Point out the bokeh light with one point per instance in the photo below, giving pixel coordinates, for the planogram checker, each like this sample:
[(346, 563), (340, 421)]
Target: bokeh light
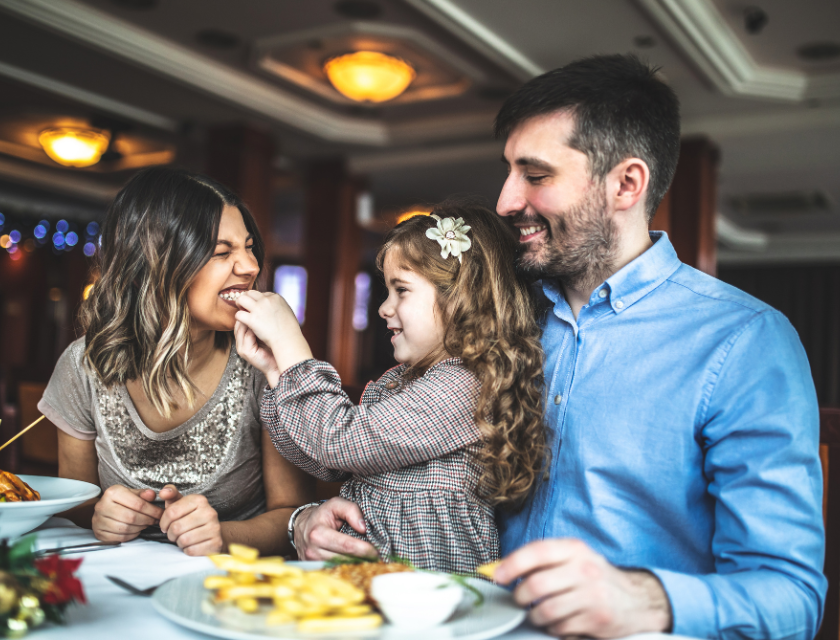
[(16, 255), (13, 248), (15, 236), (29, 245), (71, 239), (2, 219), (58, 239), (40, 231), (89, 249), (92, 228), (5, 241), (62, 226)]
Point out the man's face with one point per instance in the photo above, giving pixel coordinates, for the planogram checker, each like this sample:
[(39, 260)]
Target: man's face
[(560, 212)]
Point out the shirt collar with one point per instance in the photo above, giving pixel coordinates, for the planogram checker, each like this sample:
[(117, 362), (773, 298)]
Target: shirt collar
[(633, 281)]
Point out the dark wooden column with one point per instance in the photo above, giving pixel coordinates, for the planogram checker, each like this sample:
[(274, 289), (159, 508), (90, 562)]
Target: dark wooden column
[(687, 212), (332, 250), (240, 158)]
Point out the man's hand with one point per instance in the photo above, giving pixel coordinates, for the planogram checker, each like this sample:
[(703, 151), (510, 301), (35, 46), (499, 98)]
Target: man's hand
[(317, 534), (577, 592), (122, 513), (191, 523)]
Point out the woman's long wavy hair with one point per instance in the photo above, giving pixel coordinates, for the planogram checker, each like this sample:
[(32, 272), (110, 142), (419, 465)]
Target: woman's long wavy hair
[(159, 232), (490, 323)]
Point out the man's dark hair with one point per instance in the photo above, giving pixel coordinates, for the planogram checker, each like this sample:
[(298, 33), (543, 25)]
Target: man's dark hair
[(621, 110)]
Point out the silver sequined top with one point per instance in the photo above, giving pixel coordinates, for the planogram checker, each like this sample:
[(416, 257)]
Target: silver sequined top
[(215, 453)]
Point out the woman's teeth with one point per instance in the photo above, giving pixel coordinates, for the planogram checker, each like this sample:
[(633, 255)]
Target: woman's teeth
[(231, 295), (527, 231)]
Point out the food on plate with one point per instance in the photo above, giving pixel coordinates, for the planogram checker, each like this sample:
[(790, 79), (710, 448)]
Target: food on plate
[(488, 570), (314, 600), (361, 574), (13, 489)]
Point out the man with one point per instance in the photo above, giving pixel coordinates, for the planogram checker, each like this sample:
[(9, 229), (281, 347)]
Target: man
[(685, 485)]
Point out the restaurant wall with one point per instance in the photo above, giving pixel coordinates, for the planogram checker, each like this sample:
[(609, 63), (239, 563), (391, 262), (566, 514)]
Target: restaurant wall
[(809, 295)]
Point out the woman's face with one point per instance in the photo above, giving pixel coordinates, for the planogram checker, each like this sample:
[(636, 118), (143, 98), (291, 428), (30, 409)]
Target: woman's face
[(231, 270)]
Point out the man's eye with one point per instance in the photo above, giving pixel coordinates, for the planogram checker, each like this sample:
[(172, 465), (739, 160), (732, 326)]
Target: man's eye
[(535, 179)]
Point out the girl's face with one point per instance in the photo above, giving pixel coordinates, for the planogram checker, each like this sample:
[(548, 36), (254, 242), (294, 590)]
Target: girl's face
[(411, 312), (231, 271)]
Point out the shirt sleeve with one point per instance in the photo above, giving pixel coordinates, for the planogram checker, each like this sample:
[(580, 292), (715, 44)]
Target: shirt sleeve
[(760, 436), (68, 399), (431, 417)]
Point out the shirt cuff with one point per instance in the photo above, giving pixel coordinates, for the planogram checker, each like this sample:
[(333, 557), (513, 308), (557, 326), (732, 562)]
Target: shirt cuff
[(692, 604)]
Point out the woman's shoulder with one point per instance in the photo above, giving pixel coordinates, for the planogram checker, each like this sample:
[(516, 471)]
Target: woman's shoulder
[(72, 361)]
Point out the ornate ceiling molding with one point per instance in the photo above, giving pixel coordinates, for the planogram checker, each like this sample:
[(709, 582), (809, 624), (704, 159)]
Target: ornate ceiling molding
[(700, 31), (169, 59)]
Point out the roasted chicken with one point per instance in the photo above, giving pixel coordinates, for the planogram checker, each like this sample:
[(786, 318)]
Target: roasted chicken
[(13, 489)]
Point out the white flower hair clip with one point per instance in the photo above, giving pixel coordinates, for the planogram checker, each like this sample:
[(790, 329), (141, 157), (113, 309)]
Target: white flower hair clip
[(451, 235)]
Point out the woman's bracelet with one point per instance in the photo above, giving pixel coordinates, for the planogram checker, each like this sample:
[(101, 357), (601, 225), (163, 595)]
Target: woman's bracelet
[(293, 517)]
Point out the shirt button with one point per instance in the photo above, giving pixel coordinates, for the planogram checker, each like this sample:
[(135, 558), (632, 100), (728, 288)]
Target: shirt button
[(558, 399), (619, 305), (602, 293), (391, 385)]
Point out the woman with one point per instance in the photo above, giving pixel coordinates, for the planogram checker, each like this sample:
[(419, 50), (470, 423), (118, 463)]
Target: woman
[(153, 403)]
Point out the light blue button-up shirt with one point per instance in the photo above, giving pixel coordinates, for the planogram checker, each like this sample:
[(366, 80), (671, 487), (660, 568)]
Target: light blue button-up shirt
[(685, 441)]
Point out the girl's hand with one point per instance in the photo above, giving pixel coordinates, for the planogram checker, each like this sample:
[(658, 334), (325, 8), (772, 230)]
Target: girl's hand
[(191, 523), (274, 323), (122, 513), (255, 352)]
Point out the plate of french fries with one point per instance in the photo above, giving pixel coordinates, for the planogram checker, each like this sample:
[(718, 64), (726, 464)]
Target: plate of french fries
[(251, 597)]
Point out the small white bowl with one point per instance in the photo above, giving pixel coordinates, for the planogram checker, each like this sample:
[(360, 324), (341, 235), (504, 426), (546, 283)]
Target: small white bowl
[(416, 599), (57, 494)]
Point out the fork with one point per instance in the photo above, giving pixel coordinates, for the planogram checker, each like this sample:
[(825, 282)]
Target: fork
[(146, 593)]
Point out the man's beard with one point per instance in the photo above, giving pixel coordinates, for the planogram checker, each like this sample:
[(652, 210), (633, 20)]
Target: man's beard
[(581, 248)]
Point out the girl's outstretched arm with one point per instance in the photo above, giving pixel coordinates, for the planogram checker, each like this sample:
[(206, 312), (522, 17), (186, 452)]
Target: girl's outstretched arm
[(430, 418), (273, 322)]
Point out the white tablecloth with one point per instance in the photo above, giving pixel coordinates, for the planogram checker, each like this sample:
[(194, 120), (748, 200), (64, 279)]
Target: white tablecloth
[(115, 614)]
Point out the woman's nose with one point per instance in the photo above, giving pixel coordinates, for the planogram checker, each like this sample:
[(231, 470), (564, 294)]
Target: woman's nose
[(246, 265)]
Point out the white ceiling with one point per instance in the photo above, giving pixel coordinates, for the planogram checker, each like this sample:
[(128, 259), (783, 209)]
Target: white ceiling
[(775, 117)]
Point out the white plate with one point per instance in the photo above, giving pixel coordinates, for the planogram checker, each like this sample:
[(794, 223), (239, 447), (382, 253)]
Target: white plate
[(181, 601), (57, 495)]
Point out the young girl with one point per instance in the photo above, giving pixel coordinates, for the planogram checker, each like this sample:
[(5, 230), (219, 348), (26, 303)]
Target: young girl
[(453, 431)]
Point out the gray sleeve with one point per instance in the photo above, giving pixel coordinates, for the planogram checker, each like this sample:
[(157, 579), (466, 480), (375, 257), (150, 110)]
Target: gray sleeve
[(68, 399)]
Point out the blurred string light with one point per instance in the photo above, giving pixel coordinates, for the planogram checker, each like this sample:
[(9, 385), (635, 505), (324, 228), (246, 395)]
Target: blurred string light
[(58, 240), (66, 237), (89, 249), (71, 239), (5, 241), (2, 220), (14, 235), (92, 229), (62, 226), (40, 231)]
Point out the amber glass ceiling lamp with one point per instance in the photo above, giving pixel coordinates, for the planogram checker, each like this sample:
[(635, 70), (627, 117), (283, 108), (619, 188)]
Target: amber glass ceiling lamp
[(74, 147), (369, 76)]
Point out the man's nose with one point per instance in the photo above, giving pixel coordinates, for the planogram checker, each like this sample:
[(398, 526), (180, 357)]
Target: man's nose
[(511, 200)]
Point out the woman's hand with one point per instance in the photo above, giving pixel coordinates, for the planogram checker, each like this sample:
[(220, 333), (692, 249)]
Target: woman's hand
[(317, 535), (191, 523), (122, 513), (273, 322), (255, 352)]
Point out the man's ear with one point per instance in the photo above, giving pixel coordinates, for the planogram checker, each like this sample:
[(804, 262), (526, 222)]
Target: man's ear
[(628, 184)]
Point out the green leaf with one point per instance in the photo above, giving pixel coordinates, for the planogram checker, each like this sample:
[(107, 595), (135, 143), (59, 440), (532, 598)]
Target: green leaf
[(22, 553)]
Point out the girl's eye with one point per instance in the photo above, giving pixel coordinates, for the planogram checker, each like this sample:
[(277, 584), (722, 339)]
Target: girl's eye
[(401, 290)]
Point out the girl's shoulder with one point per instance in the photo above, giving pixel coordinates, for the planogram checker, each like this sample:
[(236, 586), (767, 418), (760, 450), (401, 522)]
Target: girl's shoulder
[(447, 373)]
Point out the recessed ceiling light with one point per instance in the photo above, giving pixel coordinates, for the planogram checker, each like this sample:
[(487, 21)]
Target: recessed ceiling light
[(358, 9), (74, 147), (217, 39), (755, 19), (369, 76), (819, 51), (142, 5)]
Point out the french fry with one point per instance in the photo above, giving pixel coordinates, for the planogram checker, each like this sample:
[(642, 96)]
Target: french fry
[(488, 570), (241, 552), (343, 623), (315, 600)]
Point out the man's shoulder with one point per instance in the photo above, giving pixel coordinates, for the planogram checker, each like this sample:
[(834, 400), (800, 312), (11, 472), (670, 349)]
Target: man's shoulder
[(704, 290)]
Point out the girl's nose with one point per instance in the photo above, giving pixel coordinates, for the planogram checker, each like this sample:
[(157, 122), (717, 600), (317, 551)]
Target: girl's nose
[(386, 310)]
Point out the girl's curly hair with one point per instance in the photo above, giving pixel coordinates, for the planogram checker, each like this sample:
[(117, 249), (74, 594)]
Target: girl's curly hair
[(489, 323)]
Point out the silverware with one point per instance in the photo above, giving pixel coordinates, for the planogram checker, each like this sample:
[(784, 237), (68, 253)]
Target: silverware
[(146, 593), (79, 548)]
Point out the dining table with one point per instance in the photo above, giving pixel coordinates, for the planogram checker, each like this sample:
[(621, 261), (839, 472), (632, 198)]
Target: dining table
[(113, 613)]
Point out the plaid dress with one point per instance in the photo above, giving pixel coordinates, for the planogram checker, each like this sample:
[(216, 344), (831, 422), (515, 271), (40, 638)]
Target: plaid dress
[(409, 451)]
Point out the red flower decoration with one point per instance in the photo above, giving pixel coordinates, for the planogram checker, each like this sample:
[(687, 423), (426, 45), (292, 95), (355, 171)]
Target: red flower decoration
[(64, 586)]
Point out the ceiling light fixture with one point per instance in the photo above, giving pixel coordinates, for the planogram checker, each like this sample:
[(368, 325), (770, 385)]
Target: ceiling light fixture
[(369, 76), (74, 147)]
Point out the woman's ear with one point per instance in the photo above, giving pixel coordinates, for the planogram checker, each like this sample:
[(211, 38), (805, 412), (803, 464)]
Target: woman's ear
[(628, 184)]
